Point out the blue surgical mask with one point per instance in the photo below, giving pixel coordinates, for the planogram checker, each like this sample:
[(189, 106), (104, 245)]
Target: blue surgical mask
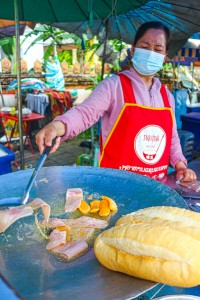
[(147, 62)]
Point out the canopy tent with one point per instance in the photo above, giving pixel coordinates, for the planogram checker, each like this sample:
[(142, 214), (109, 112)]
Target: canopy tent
[(57, 11), (190, 51), (182, 18), (188, 54)]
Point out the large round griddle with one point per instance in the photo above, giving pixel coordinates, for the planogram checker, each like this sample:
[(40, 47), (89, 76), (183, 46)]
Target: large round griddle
[(36, 273)]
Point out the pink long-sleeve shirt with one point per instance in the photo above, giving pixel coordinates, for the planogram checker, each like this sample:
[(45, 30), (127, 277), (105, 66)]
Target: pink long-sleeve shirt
[(106, 102)]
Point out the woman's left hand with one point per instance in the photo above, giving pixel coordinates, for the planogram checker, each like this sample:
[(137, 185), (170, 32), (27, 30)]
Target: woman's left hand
[(183, 173), (186, 175)]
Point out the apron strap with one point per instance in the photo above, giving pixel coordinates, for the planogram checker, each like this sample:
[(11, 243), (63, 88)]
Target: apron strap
[(127, 89), (128, 93), (164, 96)]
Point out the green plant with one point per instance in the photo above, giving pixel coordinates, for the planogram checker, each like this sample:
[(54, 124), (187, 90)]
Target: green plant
[(8, 46), (116, 46), (57, 36), (65, 55)]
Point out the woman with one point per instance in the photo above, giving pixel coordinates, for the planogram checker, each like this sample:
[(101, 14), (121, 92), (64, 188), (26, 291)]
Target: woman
[(138, 125)]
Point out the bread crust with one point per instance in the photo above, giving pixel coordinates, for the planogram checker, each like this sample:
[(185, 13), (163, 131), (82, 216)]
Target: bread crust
[(153, 248), (170, 213)]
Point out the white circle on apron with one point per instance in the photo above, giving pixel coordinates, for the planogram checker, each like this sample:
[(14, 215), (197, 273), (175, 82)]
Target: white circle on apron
[(150, 144)]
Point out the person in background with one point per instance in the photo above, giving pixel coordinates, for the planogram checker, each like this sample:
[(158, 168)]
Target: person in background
[(138, 132)]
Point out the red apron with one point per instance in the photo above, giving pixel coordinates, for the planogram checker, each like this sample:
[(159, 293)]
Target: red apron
[(140, 139)]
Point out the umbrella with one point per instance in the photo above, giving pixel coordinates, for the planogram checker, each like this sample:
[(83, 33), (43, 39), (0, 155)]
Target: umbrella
[(66, 11), (57, 11), (182, 18), (7, 28)]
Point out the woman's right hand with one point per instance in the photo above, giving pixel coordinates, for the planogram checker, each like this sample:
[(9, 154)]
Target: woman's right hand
[(45, 136)]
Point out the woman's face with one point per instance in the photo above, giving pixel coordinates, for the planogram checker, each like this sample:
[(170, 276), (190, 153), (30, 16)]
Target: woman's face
[(154, 40)]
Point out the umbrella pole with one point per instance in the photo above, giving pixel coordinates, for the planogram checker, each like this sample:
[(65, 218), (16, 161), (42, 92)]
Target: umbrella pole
[(104, 50), (19, 95)]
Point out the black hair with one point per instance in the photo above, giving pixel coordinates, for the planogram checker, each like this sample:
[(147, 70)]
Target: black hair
[(156, 25)]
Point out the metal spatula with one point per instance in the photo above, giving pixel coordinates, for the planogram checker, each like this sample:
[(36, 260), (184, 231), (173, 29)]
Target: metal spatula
[(23, 200)]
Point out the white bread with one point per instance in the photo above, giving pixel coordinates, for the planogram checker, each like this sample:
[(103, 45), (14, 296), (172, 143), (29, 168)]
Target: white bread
[(170, 213), (153, 248)]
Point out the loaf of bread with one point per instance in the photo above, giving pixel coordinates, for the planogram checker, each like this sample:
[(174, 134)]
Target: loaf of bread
[(160, 244), (170, 213)]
